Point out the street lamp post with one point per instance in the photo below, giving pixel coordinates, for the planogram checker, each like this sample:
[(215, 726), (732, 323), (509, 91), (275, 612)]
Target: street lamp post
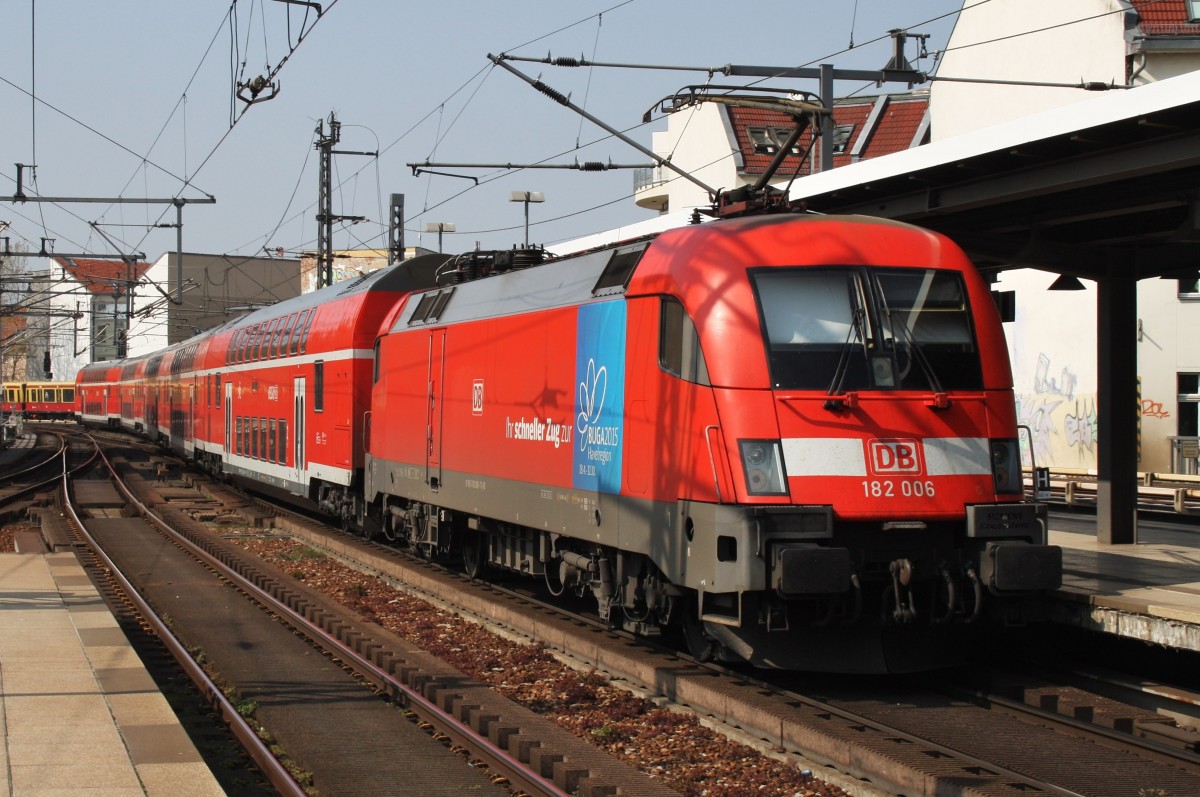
[(439, 227), (526, 197)]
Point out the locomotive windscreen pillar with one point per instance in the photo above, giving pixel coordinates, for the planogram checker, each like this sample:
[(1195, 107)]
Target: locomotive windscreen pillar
[(1116, 400)]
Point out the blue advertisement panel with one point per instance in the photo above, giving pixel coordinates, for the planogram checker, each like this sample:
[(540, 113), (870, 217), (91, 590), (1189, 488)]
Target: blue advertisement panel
[(600, 402)]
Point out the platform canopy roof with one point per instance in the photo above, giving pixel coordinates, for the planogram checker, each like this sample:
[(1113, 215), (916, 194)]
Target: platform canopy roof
[(1105, 187)]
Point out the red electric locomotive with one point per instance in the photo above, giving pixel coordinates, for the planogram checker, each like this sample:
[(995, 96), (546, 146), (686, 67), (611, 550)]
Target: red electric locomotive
[(792, 436)]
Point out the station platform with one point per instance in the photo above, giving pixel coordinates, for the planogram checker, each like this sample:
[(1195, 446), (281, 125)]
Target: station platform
[(1148, 591), (79, 714)]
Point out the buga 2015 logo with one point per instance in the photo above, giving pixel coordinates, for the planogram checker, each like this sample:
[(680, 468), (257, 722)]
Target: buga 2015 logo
[(600, 412), (895, 456)]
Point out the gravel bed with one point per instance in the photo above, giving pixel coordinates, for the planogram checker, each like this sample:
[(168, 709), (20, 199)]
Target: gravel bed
[(8, 535), (668, 744)]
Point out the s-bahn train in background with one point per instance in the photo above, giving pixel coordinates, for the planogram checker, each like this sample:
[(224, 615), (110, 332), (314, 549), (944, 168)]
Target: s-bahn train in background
[(792, 437), (39, 401)]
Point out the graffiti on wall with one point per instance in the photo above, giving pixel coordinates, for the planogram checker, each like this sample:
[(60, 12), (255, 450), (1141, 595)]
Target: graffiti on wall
[(1154, 409), (1037, 413), (1080, 427), (1062, 421), (1043, 383)]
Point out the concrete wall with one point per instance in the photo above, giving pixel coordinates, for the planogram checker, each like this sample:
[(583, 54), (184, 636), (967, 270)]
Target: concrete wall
[(1052, 346), (985, 45)]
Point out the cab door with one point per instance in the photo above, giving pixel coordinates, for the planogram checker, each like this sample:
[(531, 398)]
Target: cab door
[(433, 415)]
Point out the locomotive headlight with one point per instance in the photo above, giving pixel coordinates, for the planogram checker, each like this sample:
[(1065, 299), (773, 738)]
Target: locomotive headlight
[(762, 461), (1006, 467)]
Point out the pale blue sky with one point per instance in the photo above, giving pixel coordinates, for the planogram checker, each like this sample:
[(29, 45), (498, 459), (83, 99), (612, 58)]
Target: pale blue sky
[(411, 79)]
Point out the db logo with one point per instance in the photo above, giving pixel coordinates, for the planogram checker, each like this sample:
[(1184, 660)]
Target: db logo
[(477, 397), (895, 456)]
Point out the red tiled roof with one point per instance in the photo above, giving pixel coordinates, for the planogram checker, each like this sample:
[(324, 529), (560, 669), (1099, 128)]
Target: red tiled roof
[(102, 276), (893, 132), (1164, 18), (897, 128)]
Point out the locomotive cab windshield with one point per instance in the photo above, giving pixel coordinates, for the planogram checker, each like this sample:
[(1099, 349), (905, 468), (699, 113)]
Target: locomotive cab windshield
[(853, 328)]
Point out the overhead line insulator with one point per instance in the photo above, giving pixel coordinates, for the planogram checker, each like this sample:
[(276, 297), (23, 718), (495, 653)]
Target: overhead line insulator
[(553, 94)]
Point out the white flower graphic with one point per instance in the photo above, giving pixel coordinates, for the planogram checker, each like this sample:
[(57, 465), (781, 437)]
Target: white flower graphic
[(592, 391)]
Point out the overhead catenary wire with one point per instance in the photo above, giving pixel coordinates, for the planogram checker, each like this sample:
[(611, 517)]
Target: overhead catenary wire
[(290, 202)]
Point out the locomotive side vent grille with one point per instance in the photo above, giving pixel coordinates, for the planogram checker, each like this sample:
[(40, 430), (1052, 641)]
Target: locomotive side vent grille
[(431, 307), (615, 277)]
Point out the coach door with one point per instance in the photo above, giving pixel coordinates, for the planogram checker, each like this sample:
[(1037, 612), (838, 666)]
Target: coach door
[(189, 432), (433, 416), (228, 420), (298, 429)]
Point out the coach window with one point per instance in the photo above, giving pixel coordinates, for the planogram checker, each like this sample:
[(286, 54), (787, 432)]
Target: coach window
[(286, 337), (273, 344), (243, 344), (319, 386), (260, 340), (69, 395), (264, 351), (237, 436), (271, 442), (304, 335), (679, 345), (283, 446), (294, 347), (263, 443), (254, 437)]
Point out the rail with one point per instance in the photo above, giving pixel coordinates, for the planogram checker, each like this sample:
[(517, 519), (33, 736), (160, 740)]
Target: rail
[(1171, 492)]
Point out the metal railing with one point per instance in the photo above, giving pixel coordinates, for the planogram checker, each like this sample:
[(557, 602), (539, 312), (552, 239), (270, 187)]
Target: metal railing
[(646, 178), (1163, 492)]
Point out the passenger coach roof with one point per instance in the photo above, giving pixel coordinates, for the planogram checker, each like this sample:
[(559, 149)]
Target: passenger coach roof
[(407, 276), (404, 277)]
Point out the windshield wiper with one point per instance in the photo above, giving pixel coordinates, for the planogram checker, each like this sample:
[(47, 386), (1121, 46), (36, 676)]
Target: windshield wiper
[(857, 330), (916, 352)]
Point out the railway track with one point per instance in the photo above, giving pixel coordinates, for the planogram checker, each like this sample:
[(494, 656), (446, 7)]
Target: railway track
[(37, 470), (492, 745), (894, 736)]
